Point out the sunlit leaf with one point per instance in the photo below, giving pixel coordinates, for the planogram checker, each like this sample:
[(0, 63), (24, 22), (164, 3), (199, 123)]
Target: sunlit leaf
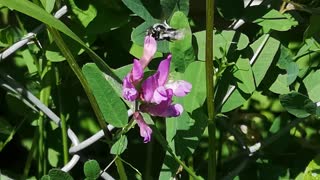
[(244, 76), (312, 85), (181, 50), (312, 170), (195, 74), (280, 85), (264, 58), (228, 41)]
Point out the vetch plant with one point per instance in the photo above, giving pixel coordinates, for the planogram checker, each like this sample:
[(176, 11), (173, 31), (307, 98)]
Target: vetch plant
[(155, 93)]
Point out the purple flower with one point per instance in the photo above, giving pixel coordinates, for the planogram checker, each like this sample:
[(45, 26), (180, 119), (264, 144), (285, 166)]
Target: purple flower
[(132, 80), (156, 93), (129, 91), (149, 49), (145, 130)]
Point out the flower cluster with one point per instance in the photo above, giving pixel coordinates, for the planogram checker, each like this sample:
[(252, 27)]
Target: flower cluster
[(155, 93)]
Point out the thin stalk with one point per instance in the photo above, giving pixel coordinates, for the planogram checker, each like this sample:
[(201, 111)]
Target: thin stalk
[(63, 122), (42, 163), (210, 89), (76, 69), (30, 155)]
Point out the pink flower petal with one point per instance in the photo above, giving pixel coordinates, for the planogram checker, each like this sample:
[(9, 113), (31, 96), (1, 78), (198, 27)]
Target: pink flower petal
[(149, 49), (180, 88), (136, 72), (129, 92), (149, 86), (163, 69), (145, 130)]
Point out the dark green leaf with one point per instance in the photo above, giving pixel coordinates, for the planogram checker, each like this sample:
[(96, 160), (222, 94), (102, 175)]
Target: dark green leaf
[(57, 174), (170, 6), (138, 8), (111, 106), (298, 104)]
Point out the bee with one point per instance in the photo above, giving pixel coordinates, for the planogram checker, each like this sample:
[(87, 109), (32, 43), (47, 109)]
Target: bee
[(162, 31)]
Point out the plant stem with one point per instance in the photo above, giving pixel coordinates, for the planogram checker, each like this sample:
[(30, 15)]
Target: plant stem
[(30, 155), (63, 122), (210, 89), (44, 98), (76, 69)]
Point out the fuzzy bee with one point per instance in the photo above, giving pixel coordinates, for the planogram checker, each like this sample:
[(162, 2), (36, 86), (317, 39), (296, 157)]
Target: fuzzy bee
[(162, 31)]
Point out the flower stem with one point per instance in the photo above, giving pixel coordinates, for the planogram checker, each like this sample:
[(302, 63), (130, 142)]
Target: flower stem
[(210, 89), (62, 117)]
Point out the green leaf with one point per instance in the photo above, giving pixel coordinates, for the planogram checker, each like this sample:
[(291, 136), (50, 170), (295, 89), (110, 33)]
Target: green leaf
[(85, 16), (235, 100), (264, 58), (312, 170), (312, 85), (138, 8), (222, 41), (195, 74), (53, 157), (57, 174), (181, 50), (292, 71), (276, 125), (183, 134), (111, 106), (48, 5), (280, 85), (298, 104), (244, 76), (45, 177), (270, 18), (91, 169), (120, 146), (170, 6)]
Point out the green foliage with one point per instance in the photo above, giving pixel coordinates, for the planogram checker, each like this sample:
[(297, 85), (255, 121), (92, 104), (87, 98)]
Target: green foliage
[(120, 146), (266, 85), (298, 104), (91, 169), (108, 100), (55, 174)]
